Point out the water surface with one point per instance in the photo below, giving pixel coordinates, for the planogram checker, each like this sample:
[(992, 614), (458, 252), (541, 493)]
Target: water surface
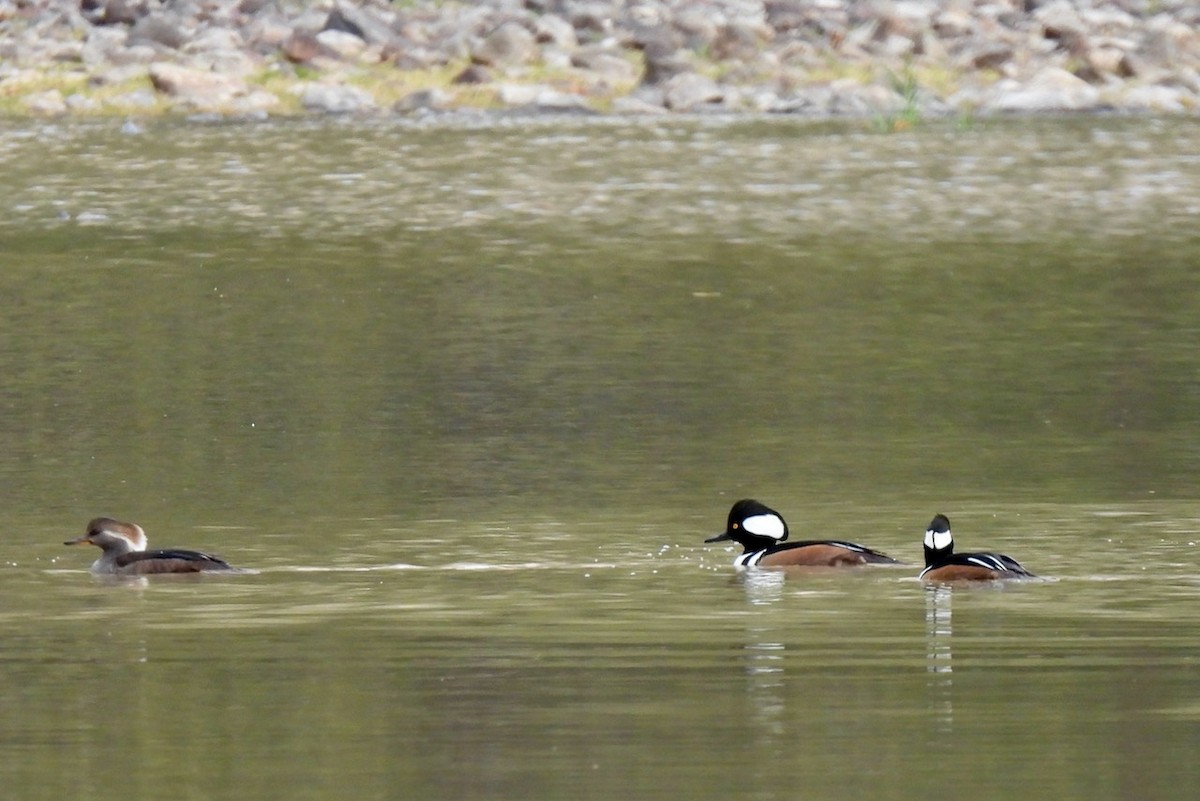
[(470, 397)]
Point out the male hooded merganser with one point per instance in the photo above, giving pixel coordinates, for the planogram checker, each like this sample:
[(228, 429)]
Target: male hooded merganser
[(943, 564), (761, 531), (123, 552)]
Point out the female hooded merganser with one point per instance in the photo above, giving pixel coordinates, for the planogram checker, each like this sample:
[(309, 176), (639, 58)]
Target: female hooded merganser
[(123, 552), (943, 564), (761, 531)]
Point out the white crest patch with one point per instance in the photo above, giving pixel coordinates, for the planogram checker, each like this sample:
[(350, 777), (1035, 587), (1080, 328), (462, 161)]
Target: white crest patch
[(938, 540), (765, 526)]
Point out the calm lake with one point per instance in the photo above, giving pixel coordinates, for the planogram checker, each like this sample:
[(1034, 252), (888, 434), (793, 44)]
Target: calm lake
[(469, 394)]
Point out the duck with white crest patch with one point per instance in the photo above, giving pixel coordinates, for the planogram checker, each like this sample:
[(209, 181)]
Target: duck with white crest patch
[(123, 552), (762, 532), (942, 564)]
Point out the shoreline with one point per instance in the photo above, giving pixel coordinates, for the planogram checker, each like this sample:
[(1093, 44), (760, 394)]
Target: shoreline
[(894, 62)]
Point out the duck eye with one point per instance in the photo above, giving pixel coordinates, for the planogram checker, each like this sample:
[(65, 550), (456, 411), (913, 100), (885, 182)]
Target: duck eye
[(735, 525)]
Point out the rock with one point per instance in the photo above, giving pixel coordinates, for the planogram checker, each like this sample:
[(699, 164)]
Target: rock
[(301, 47), (200, 90), (785, 16), (555, 102), (214, 39), (696, 27), (553, 30), (423, 100), (471, 75), (689, 91), (771, 54), (1159, 99), (517, 94), (335, 99), (507, 46), (256, 104), (46, 104), (342, 44), (591, 21), (116, 12), (116, 75), (100, 44), (1162, 40), (158, 29), (663, 62), (540, 98), (739, 41), (1061, 23), (1052, 89), (953, 23), (134, 54), (989, 55), (360, 22), (851, 99), (1107, 60), (406, 55), (605, 64), (76, 102)]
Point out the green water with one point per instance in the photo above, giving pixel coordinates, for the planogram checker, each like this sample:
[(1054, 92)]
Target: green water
[(470, 397)]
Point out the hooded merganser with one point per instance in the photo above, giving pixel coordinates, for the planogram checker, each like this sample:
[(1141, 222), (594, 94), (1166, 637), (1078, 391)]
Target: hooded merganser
[(943, 564), (123, 552), (762, 531)]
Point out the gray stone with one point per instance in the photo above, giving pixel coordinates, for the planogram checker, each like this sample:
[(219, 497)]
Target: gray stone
[(134, 54), (255, 104), (100, 44), (472, 75), (739, 41), (423, 100), (76, 102), (507, 46), (851, 99), (663, 62), (1061, 23), (344, 45), (200, 90), (555, 102), (604, 63), (1158, 99), (953, 23), (361, 22), (989, 55), (302, 47), (159, 29), (117, 12), (696, 27), (1052, 89), (539, 98), (554, 30), (689, 91), (335, 99)]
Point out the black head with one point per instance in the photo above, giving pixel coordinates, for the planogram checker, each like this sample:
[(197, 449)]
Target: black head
[(939, 542), (753, 525)]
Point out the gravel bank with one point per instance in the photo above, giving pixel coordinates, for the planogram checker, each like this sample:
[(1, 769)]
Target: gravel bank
[(891, 61)]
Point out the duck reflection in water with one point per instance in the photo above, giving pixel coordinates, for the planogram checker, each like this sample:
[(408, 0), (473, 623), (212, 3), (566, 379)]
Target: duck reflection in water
[(939, 655)]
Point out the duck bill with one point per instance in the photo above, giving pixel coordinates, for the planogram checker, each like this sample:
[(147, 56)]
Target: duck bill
[(724, 535), (78, 541)]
